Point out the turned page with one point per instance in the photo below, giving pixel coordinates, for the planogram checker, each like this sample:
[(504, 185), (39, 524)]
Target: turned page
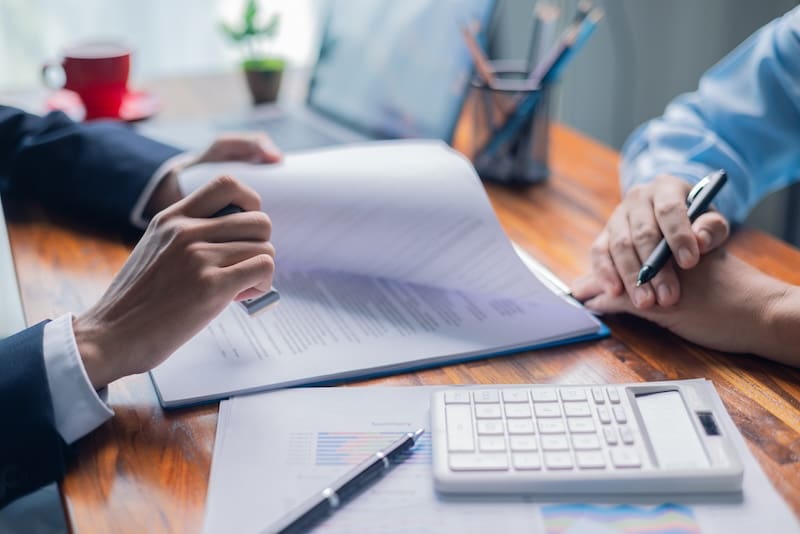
[(405, 210)]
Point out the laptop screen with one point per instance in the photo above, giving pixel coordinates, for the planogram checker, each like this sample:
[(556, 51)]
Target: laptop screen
[(394, 68)]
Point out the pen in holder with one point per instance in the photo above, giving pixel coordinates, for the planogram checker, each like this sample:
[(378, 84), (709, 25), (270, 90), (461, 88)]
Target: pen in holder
[(510, 126)]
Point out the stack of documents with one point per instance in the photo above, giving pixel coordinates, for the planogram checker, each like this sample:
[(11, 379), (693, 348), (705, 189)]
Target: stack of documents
[(276, 449), (389, 257)]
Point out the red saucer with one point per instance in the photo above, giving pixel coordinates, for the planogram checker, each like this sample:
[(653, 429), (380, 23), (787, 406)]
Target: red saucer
[(136, 105)]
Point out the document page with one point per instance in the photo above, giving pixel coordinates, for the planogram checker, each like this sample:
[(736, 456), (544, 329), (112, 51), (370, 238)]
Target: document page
[(275, 449), (390, 257), (332, 325), (407, 210)]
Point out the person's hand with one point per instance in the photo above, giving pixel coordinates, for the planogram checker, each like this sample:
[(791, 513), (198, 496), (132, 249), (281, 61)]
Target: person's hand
[(646, 213), (183, 272), (726, 304), (251, 147)]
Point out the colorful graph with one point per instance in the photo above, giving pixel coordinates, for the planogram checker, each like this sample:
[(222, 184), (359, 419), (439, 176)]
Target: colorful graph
[(350, 448), (622, 519)]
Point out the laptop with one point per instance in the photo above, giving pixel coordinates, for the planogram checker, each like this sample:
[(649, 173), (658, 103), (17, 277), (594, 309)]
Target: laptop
[(385, 70)]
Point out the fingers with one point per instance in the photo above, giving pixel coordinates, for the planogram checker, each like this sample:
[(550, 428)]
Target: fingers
[(246, 226), (645, 234), (605, 303), (666, 285), (253, 147), (712, 229), (669, 206), (255, 272), (587, 287), (626, 260), (602, 266), (217, 194), (231, 253)]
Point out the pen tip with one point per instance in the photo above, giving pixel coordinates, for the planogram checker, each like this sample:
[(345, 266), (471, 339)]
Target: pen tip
[(418, 433), (638, 283)]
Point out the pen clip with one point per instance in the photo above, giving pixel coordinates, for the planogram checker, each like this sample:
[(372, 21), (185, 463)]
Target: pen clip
[(696, 190)]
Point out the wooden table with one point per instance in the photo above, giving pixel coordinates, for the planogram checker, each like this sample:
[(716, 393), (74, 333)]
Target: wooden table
[(147, 470)]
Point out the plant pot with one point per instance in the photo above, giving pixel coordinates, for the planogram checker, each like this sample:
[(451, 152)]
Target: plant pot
[(264, 79)]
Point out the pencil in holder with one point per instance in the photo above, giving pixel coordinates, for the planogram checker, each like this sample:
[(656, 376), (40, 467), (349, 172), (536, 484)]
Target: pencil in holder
[(510, 126)]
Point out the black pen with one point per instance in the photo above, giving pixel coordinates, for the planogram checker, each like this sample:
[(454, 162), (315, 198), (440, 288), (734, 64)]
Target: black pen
[(255, 304), (699, 200), (325, 502)]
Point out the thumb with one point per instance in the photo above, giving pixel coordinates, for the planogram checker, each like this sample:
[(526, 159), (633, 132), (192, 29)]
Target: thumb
[(711, 230)]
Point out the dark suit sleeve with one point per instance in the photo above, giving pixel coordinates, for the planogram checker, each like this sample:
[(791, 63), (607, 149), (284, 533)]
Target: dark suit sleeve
[(32, 452), (93, 170)]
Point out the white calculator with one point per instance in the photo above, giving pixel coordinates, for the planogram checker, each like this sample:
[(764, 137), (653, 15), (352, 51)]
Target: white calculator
[(656, 437)]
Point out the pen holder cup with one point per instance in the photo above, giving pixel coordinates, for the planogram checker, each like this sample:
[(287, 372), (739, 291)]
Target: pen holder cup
[(517, 156)]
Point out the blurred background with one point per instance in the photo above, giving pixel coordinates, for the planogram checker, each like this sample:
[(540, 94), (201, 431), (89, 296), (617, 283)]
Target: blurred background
[(644, 53)]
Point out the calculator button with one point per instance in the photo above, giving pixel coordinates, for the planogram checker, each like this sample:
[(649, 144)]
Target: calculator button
[(611, 435), (590, 460), (577, 409), (619, 414), (544, 395), (515, 395), (516, 411), (488, 411), (551, 426), (519, 426), (456, 397), (492, 443), (613, 395), (597, 395), (625, 457), (522, 443), (459, 427), (604, 415), (490, 426), (626, 434), (581, 425), (555, 443), (526, 461), (585, 442), (485, 396), (573, 394), (478, 462), (558, 460), (547, 409)]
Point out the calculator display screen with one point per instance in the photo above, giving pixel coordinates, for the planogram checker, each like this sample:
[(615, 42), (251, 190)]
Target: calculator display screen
[(670, 430)]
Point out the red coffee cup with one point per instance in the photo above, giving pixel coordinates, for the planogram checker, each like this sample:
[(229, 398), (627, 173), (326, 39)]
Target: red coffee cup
[(98, 72)]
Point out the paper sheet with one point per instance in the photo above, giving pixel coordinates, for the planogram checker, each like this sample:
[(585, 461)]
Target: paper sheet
[(275, 449), (408, 210), (389, 257)]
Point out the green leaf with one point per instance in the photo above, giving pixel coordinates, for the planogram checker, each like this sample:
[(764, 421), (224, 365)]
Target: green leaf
[(250, 13), (231, 33), (272, 26)]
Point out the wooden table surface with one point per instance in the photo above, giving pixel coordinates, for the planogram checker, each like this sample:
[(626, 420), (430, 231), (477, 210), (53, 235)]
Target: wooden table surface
[(146, 470)]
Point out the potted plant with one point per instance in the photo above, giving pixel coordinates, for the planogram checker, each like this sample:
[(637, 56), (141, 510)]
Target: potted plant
[(263, 72)]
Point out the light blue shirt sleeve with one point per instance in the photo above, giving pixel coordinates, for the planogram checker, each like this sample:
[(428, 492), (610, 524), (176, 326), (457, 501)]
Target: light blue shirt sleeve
[(744, 118)]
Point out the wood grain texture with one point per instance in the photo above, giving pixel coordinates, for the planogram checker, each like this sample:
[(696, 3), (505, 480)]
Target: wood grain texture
[(147, 470)]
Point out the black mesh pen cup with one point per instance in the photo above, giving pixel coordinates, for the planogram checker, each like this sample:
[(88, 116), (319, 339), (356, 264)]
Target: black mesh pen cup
[(509, 155)]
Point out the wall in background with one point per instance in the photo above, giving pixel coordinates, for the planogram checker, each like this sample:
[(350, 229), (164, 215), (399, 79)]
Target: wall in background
[(645, 53)]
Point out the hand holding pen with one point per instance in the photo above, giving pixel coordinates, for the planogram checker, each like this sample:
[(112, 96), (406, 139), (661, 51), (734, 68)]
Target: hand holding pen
[(699, 200), (647, 213)]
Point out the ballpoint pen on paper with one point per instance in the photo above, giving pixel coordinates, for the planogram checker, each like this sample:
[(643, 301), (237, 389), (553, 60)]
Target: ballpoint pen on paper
[(325, 502), (700, 199), (255, 304)]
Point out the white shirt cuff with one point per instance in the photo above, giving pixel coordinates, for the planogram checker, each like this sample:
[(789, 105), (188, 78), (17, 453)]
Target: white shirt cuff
[(77, 406), (175, 163)]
